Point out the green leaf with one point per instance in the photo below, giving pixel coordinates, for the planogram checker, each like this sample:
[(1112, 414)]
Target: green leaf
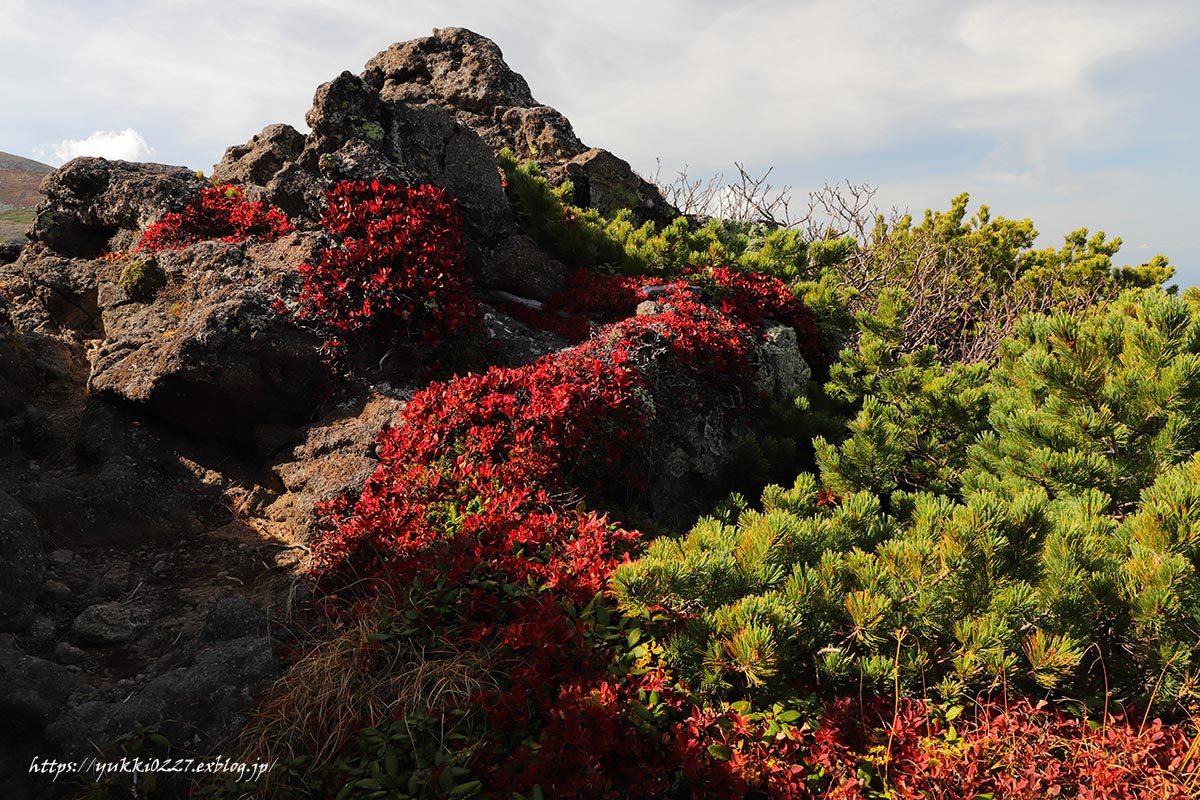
[(641, 710), (466, 788), (721, 752)]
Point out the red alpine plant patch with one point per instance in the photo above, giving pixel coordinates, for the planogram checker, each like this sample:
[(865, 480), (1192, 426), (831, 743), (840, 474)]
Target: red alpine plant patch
[(220, 213), (394, 266)]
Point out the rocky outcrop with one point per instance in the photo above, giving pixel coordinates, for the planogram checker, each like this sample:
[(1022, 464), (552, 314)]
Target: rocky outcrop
[(434, 109), (357, 135), (465, 73), (94, 205)]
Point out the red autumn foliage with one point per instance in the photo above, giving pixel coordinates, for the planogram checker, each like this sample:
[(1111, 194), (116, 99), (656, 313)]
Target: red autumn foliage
[(755, 298), (469, 474), (751, 299), (220, 212), (473, 488), (861, 750), (395, 267)]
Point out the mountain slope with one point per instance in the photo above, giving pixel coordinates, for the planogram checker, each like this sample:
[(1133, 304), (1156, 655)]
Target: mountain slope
[(19, 181)]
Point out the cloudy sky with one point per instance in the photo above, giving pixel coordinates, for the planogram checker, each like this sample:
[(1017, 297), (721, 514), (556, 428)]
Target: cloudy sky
[(1072, 113)]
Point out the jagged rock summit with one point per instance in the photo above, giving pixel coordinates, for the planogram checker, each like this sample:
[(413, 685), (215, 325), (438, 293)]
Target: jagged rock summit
[(425, 106)]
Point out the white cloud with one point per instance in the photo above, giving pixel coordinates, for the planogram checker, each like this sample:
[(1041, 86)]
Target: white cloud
[(126, 145)]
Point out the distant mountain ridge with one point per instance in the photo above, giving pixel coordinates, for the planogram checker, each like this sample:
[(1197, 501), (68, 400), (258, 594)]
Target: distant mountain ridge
[(19, 181), (21, 164)]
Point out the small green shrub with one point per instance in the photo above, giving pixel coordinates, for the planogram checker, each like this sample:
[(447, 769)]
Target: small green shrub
[(141, 279), (583, 238)]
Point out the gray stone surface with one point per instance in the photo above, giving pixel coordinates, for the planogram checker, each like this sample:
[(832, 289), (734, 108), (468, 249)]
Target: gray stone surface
[(109, 623), (21, 569)]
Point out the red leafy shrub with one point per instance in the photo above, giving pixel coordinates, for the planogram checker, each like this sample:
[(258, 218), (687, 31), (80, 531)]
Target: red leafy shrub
[(395, 267), (475, 489), (755, 298), (564, 721), (859, 750), (220, 212), (470, 473), (1027, 750), (748, 297), (876, 749), (590, 292)]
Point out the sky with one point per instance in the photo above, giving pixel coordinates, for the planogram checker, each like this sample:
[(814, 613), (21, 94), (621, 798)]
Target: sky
[(1075, 114)]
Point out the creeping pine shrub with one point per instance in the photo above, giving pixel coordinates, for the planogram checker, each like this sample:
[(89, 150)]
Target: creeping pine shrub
[(582, 238), (220, 212), (394, 268), (1027, 527)]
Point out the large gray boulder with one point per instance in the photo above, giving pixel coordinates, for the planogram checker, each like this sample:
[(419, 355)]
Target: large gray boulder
[(213, 357), (466, 74), (93, 205), (207, 353), (357, 135)]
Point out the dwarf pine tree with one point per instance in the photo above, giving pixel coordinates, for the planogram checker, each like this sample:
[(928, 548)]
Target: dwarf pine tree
[(1035, 525), (1104, 400), (916, 416)]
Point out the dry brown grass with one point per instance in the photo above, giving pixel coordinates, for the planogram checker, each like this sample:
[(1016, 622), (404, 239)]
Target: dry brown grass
[(352, 680)]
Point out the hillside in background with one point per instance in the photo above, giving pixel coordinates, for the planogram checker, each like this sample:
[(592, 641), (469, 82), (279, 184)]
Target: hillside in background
[(19, 181)]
